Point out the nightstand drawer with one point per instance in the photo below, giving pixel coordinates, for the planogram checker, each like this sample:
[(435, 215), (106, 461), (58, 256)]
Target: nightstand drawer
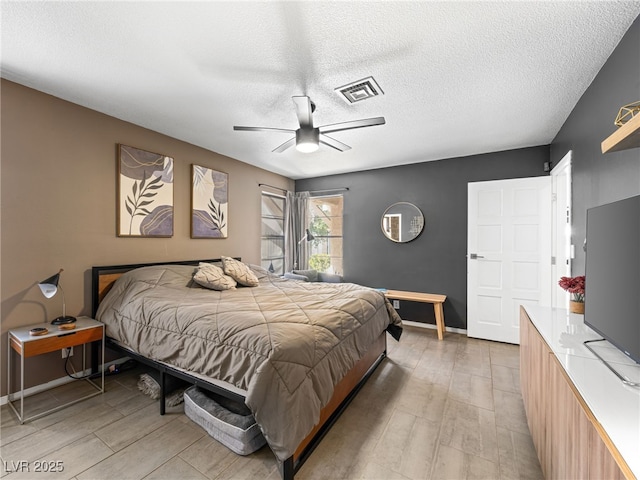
[(58, 342)]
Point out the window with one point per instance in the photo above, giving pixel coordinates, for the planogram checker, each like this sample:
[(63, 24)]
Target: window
[(272, 243), (325, 218)]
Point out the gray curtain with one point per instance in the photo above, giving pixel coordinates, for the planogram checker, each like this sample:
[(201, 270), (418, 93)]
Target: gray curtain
[(295, 225)]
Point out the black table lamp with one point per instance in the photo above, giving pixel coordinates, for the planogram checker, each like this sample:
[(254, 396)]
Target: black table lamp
[(49, 288)]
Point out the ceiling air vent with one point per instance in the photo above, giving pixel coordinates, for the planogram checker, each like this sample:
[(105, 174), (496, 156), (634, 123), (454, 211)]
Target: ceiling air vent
[(360, 90)]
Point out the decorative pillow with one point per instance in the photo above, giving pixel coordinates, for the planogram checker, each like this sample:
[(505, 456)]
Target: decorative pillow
[(213, 277), (240, 272), (312, 275)]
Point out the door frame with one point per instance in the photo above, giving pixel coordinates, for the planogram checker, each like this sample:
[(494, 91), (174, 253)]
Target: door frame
[(562, 251)]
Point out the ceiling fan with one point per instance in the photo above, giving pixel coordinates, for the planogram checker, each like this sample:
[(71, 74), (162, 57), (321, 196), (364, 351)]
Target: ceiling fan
[(308, 138)]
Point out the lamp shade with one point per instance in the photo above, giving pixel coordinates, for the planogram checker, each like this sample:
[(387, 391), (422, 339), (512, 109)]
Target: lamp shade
[(307, 236), (49, 287)]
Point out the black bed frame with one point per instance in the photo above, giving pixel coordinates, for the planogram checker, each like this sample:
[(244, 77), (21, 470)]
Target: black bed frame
[(289, 467)]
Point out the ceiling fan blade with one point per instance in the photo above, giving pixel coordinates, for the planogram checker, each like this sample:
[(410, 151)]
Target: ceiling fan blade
[(304, 111), (289, 143), (365, 122), (263, 129), (333, 143)]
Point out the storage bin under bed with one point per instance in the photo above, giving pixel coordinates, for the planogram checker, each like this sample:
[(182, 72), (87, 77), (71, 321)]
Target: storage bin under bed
[(231, 424)]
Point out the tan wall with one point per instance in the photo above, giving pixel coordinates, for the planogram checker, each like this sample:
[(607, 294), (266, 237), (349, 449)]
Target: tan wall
[(58, 180)]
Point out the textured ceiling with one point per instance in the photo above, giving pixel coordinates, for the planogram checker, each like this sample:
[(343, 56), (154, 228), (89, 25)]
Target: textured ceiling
[(459, 78)]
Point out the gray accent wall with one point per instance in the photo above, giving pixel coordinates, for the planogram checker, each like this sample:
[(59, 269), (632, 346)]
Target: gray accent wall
[(601, 178), (436, 261)]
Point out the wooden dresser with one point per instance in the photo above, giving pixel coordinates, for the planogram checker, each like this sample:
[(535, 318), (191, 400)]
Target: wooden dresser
[(585, 423)]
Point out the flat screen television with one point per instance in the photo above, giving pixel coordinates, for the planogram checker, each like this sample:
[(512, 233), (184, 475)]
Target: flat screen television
[(612, 274)]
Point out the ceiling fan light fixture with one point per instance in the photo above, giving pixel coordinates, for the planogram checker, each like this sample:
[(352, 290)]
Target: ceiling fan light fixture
[(307, 140)]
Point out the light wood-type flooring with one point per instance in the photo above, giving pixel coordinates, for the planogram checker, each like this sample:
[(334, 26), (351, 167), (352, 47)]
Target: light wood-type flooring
[(433, 409)]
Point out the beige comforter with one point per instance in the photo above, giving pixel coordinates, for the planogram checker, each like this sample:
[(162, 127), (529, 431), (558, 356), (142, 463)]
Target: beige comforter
[(286, 343)]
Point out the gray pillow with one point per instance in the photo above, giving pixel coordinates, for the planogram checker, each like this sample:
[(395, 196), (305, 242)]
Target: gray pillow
[(293, 276), (329, 277), (312, 275)]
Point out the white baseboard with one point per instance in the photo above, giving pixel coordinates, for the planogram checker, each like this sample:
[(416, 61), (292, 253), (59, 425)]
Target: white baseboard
[(433, 327), (55, 383)]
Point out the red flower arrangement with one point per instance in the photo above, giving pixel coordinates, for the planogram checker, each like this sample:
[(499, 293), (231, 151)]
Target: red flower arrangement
[(575, 286)]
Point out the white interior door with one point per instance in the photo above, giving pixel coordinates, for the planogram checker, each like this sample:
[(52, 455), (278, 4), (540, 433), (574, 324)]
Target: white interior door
[(561, 252), (509, 254)]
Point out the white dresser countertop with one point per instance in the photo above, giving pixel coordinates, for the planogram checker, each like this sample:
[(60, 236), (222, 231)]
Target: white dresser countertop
[(615, 405)]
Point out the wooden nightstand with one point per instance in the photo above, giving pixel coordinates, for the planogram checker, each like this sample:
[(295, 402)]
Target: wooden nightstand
[(87, 330)]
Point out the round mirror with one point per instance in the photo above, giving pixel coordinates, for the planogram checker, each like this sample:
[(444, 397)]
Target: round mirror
[(402, 222)]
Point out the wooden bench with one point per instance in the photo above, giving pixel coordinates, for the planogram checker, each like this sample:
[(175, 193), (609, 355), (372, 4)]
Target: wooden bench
[(435, 299)]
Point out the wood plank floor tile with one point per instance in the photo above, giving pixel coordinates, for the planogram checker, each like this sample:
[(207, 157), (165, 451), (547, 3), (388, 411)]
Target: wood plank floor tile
[(452, 463), (126, 400), (418, 455), (73, 458), (506, 379), (473, 358), (33, 405), (426, 400), (413, 337), (471, 389), (437, 362), (512, 414), (389, 450), (361, 426), (133, 427), (10, 428), (147, 454), (51, 438), (504, 354), (473, 346), (434, 376), (383, 388), (209, 456), (335, 455), (80, 412), (372, 470), (407, 356), (470, 429), (518, 458), (259, 465), (71, 391), (175, 468)]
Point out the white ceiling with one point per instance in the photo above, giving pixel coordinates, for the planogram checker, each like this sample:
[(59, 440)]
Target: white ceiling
[(459, 78)]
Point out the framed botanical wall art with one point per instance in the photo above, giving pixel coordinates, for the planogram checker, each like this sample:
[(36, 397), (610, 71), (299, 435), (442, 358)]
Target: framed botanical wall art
[(145, 193), (209, 203)]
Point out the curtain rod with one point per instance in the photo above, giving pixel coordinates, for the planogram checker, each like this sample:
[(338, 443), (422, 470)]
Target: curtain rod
[(342, 189), (271, 186)]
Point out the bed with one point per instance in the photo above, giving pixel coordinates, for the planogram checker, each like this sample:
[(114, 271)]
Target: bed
[(294, 352)]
